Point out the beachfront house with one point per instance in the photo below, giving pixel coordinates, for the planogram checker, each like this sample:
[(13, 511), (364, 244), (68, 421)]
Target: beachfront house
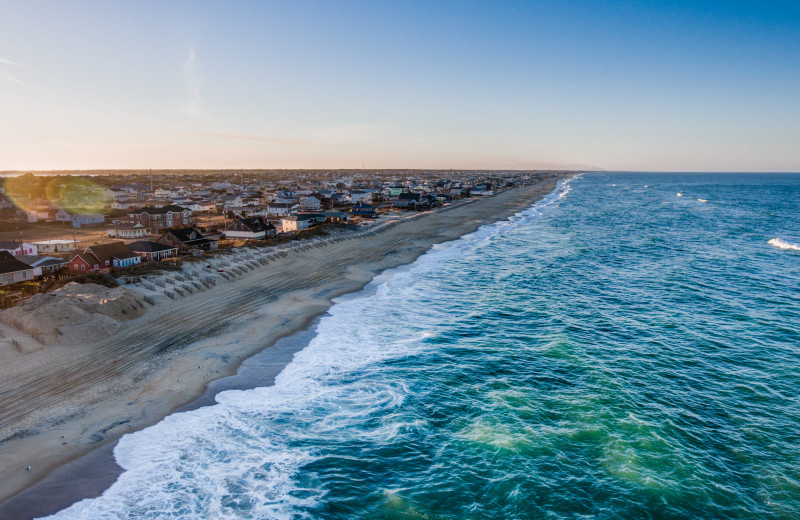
[(187, 239), (18, 248), (334, 217), (407, 201), (87, 219), (152, 251), (12, 270), (45, 266), (298, 222), (103, 257), (363, 210), (254, 228), (481, 191)]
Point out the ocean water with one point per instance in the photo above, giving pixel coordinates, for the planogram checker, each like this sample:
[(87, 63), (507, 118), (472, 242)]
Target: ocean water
[(627, 348)]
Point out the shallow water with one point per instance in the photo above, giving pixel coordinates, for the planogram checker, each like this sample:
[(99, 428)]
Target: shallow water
[(616, 351)]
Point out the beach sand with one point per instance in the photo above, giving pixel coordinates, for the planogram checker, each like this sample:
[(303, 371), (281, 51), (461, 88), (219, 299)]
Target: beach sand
[(74, 400)]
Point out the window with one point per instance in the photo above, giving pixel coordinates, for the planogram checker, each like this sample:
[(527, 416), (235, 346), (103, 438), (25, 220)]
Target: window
[(83, 267)]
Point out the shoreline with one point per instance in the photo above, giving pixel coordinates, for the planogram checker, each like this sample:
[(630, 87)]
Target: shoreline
[(255, 311)]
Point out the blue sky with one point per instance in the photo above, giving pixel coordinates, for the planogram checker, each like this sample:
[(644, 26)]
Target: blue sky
[(691, 86)]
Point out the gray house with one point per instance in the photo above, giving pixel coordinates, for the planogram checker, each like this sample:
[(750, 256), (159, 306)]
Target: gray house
[(87, 219), (13, 271)]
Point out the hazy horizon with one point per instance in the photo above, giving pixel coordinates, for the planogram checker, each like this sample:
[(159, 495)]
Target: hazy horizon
[(679, 86)]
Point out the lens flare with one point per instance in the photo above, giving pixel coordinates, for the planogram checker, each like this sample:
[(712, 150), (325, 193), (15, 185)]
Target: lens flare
[(77, 195)]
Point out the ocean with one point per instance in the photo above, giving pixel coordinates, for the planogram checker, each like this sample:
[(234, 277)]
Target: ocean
[(627, 348)]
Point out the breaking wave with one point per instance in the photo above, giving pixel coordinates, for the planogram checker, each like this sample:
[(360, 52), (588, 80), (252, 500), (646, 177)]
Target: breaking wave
[(782, 244)]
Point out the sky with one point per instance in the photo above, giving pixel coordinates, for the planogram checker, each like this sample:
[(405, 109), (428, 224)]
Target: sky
[(616, 85)]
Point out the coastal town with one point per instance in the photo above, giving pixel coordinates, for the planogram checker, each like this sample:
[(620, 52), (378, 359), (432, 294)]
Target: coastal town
[(132, 316), (57, 227)]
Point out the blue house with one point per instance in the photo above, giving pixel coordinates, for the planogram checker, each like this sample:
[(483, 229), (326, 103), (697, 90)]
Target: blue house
[(363, 210), (79, 220)]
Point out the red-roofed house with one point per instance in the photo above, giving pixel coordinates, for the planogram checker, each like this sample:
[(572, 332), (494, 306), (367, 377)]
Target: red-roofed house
[(103, 257)]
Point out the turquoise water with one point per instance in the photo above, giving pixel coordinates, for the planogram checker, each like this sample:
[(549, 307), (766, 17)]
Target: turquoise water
[(617, 351)]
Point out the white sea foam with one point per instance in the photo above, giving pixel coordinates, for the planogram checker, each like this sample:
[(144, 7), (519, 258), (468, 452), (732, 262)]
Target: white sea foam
[(782, 244), (240, 457), (702, 200)]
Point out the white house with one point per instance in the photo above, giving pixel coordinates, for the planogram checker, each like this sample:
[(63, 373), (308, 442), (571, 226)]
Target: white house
[(255, 228), (120, 204), (152, 251), (310, 203), (13, 271), (63, 215), (44, 265), (56, 246), (231, 201), (297, 222), (128, 231), (14, 248), (357, 196), (279, 209), (202, 205)]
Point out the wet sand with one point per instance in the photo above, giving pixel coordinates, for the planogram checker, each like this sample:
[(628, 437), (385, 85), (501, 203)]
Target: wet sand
[(62, 417)]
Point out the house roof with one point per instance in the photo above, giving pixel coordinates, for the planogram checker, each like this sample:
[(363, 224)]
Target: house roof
[(87, 257), (254, 224), (9, 264), (41, 261), (169, 208), (111, 250), (9, 244), (128, 225), (185, 234), (307, 216), (189, 236), (148, 246)]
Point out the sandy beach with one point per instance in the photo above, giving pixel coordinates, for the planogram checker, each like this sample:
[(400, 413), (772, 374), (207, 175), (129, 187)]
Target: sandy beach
[(63, 401)]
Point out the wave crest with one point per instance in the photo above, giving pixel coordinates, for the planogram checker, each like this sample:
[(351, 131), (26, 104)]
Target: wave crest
[(782, 244)]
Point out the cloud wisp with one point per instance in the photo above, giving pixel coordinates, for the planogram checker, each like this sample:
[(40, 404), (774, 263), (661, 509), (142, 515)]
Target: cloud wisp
[(10, 77), (14, 79), (191, 79), (12, 63)]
